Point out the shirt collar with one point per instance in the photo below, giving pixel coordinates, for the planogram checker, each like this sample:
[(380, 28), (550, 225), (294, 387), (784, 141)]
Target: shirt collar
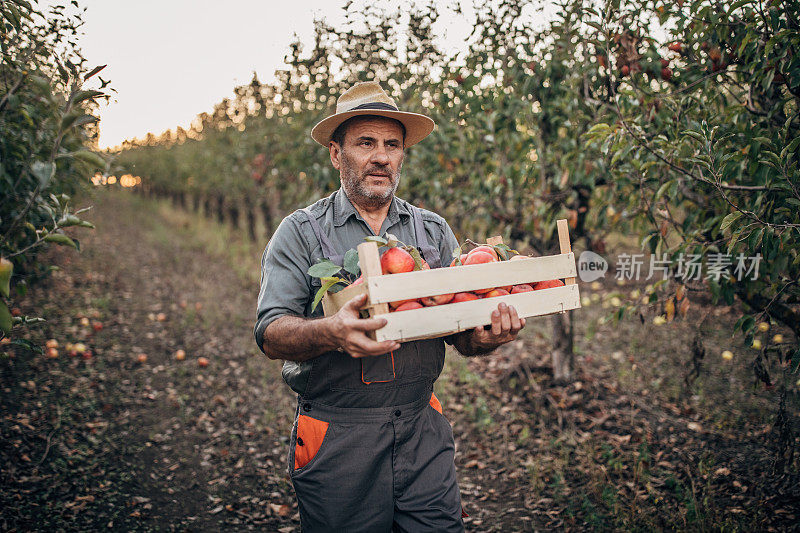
[(343, 209)]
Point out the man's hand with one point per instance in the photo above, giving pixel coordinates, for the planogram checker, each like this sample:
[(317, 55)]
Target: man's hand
[(505, 326), (350, 331)]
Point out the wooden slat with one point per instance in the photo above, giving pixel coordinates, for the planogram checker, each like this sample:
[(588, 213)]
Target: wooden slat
[(370, 262), (451, 318), (422, 283), (563, 241)]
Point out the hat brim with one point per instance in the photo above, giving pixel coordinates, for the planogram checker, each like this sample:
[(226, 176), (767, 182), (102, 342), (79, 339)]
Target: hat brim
[(417, 126)]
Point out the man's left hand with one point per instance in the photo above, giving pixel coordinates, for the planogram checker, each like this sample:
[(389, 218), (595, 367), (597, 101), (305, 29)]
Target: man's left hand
[(506, 323)]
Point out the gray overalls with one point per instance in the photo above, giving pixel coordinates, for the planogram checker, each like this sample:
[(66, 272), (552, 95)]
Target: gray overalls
[(370, 449)]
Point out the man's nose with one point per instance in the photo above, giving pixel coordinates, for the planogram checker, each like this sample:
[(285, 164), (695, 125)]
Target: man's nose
[(380, 155)]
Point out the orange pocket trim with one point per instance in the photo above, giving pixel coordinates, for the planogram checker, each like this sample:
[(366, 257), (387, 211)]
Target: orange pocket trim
[(310, 434), (435, 403), (394, 374)]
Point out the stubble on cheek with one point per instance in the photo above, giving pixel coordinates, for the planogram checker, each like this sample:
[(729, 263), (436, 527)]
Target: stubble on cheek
[(356, 185)]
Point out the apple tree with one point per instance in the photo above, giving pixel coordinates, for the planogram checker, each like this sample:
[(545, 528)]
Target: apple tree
[(48, 128)]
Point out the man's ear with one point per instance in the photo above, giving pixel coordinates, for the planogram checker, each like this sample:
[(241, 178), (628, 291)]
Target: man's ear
[(336, 153)]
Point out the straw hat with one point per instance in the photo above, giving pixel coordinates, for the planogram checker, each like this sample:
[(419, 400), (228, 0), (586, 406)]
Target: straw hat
[(368, 98)]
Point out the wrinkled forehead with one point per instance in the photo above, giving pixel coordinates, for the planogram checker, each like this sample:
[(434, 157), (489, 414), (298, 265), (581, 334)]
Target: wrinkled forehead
[(374, 126)]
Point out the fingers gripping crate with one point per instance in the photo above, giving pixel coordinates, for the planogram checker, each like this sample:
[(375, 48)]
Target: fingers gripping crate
[(438, 321)]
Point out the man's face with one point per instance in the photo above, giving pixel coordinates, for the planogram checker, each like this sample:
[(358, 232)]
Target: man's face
[(370, 160)]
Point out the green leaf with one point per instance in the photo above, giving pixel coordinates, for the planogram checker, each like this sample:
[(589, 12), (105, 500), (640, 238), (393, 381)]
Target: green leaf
[(6, 321), (94, 71), (92, 158), (76, 119), (417, 258), (80, 96), (60, 239), (323, 269), (351, 262), (72, 220), (28, 345), (374, 238), (43, 172), (729, 219), (748, 324), (327, 283), (795, 362), (392, 241), (694, 135), (661, 190), (790, 148), (504, 251), (6, 269)]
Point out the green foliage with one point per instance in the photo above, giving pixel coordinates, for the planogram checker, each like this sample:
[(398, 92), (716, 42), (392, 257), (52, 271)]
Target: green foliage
[(46, 128), (702, 141), (676, 122)]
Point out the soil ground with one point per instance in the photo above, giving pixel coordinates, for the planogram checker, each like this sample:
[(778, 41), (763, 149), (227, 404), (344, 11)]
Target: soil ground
[(109, 442)]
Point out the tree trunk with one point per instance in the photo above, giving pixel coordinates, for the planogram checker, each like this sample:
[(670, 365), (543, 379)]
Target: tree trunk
[(220, 209), (250, 214), (269, 217), (207, 208), (233, 211), (196, 203), (563, 355)]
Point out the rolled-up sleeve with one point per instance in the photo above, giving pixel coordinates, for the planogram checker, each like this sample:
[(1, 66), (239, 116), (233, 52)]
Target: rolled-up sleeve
[(285, 284)]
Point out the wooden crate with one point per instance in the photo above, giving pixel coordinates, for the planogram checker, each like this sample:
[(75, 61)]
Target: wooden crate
[(438, 321)]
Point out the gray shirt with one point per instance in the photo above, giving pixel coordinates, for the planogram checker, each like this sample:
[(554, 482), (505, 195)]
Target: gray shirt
[(287, 289)]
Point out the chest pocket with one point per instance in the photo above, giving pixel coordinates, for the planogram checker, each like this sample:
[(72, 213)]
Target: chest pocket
[(411, 365)]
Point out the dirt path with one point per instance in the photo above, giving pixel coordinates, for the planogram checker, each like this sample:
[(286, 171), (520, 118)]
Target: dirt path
[(191, 448), (108, 442)]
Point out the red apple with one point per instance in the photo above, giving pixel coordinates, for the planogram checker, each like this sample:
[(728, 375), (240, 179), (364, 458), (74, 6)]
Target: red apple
[(496, 292), (398, 303), (396, 260), (485, 248), (409, 305), (539, 285), (465, 297), (524, 287), (439, 299), (479, 257)]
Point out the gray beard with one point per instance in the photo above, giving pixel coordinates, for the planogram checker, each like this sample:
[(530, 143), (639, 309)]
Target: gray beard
[(358, 192)]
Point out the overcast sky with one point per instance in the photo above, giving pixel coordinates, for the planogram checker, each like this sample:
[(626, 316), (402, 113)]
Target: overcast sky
[(170, 60)]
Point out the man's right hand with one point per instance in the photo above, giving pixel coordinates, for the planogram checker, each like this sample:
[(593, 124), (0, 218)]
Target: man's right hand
[(350, 330)]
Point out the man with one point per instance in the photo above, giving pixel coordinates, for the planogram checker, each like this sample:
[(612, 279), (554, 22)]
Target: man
[(370, 449)]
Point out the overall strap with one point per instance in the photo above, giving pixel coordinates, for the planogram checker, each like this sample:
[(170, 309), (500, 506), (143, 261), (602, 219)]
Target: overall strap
[(378, 368), (430, 253), (328, 249)]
